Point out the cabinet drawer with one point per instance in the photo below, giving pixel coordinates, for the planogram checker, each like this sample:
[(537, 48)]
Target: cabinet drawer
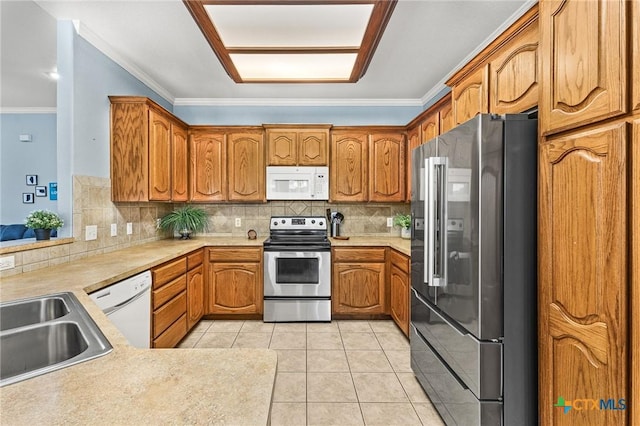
[(169, 313), (167, 272), (400, 260), (172, 336), (168, 291), (230, 254), (359, 254), (194, 259)]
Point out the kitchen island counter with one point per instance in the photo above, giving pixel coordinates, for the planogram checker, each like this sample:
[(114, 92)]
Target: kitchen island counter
[(138, 386)]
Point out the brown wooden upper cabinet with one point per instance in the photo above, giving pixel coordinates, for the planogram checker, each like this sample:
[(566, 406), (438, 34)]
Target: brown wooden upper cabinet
[(386, 167), (297, 145), (349, 174), (430, 126), (470, 96), (148, 152), (367, 164), (446, 117), (513, 81), (226, 164), (584, 62)]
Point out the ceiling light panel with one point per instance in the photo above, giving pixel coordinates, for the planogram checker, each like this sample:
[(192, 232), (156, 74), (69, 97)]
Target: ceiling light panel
[(290, 25), (288, 67)]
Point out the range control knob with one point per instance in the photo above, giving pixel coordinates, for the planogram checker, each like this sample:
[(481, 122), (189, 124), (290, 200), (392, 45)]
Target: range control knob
[(275, 223), (320, 223), (313, 221), (283, 221)]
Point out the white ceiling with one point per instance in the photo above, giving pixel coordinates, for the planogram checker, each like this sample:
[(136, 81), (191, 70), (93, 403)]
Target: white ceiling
[(160, 43)]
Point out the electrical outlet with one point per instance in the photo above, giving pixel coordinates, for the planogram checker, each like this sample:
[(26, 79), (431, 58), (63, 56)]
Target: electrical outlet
[(7, 262), (129, 228), (238, 222), (389, 222), (91, 232), (114, 229)]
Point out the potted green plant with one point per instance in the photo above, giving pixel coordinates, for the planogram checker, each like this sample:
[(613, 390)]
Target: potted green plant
[(184, 221), (42, 222), (404, 222)]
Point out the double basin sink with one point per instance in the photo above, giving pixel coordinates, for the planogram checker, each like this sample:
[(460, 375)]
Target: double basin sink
[(43, 334)]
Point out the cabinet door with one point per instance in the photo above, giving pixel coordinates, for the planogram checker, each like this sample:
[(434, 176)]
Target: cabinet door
[(514, 74), (282, 148), (413, 141), (313, 148), (386, 167), (208, 175), (399, 305), (348, 167), (180, 163), (582, 273), (358, 288), (246, 167), (430, 127), (195, 295), (159, 157), (634, 216), (129, 152), (235, 288), (583, 59), (446, 118), (471, 96)]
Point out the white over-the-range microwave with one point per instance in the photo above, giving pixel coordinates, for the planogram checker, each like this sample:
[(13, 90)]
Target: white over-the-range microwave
[(297, 183)]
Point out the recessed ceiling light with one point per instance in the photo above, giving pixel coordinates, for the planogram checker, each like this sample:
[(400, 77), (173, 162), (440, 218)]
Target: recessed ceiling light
[(275, 41)]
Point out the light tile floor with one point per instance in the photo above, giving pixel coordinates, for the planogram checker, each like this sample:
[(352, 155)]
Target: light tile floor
[(338, 373)]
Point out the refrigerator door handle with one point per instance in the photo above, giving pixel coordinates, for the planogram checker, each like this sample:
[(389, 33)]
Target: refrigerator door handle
[(435, 270)]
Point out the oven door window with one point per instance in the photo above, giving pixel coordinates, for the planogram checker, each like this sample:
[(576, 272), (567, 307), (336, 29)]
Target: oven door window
[(297, 270)]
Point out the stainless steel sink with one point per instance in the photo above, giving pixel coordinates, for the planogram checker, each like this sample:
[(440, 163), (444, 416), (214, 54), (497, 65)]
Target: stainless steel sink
[(44, 334), (20, 313)]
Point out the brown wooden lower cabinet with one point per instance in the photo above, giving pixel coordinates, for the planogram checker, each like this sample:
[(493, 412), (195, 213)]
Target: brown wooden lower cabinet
[(177, 299), (359, 281), (195, 288), (234, 283), (399, 288)]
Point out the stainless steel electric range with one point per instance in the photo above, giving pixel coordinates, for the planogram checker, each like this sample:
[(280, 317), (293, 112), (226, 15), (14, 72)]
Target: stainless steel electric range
[(297, 270)]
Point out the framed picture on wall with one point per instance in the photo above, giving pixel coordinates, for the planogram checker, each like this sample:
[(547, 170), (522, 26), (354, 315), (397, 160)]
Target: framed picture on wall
[(27, 198), (41, 191), (32, 180)]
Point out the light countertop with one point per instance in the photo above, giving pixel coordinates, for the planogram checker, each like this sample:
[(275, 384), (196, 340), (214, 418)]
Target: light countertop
[(135, 386)]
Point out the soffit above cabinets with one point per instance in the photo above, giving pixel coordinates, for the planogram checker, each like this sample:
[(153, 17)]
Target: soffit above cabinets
[(268, 41)]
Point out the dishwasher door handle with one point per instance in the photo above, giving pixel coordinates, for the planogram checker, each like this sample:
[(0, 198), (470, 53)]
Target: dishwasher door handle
[(132, 299)]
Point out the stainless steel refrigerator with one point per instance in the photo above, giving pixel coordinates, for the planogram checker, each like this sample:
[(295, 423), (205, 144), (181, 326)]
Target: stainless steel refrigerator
[(473, 271)]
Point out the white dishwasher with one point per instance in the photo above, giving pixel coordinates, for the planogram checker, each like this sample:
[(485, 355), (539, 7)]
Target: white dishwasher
[(128, 305)]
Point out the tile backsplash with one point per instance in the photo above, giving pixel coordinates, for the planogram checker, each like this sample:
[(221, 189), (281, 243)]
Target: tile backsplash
[(92, 206)]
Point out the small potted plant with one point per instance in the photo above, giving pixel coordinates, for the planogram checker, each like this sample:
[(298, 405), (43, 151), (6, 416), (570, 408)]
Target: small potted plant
[(42, 222), (404, 222), (184, 221)]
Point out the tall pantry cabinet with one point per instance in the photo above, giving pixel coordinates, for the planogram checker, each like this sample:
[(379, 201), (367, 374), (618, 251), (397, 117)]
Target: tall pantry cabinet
[(589, 211)]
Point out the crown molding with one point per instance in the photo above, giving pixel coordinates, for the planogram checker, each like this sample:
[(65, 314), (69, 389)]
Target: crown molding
[(28, 110), (502, 28), (104, 47), (295, 102)]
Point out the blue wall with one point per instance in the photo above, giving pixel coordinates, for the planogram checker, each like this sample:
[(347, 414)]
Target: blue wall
[(19, 159), (336, 115)]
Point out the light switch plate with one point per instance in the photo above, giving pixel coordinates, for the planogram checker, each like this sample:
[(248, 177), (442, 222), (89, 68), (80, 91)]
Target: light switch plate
[(129, 228), (114, 229), (91, 232)]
